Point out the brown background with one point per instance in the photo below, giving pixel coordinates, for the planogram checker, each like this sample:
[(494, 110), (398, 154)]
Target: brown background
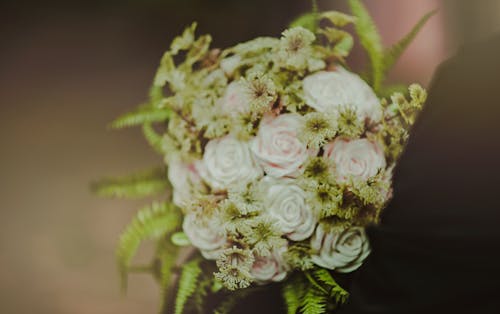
[(66, 69)]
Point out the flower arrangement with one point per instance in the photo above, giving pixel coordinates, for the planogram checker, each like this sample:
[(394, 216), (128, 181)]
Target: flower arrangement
[(278, 157)]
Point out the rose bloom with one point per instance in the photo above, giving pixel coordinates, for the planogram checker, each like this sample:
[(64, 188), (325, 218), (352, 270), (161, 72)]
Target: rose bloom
[(235, 100), (330, 91), (359, 158), (342, 251), (186, 182), (228, 162), (277, 146), (286, 203), (205, 233), (270, 268)]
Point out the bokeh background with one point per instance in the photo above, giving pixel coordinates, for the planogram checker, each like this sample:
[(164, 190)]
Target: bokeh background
[(67, 68)]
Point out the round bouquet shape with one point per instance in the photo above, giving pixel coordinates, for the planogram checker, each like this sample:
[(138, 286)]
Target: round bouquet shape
[(278, 156)]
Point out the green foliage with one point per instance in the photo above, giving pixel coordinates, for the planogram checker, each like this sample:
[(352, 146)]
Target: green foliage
[(144, 114), (308, 21), (139, 185), (187, 284), (151, 222), (293, 291), (336, 291), (392, 54), (165, 262), (152, 137), (370, 40), (314, 302)]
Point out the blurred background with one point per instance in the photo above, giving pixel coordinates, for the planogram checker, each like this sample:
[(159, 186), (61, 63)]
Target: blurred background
[(67, 68)]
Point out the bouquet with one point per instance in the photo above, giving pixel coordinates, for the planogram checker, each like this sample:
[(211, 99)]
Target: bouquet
[(278, 156)]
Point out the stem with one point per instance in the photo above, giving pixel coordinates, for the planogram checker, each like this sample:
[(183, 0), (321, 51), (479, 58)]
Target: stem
[(315, 6)]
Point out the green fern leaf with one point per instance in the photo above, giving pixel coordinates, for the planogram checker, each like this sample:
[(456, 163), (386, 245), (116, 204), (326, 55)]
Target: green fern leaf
[(392, 54), (336, 291), (166, 258), (293, 291), (370, 40), (134, 186), (150, 222), (143, 114), (314, 302), (152, 137), (187, 284)]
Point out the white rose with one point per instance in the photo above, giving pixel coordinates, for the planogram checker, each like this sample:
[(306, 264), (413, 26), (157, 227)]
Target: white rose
[(205, 233), (186, 182), (235, 100), (229, 64), (228, 162), (360, 158), (343, 251), (330, 91), (270, 268), (277, 146), (286, 203)]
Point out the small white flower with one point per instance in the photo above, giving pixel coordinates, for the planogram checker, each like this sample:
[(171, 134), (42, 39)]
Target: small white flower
[(186, 182), (359, 159), (286, 203), (340, 250), (277, 145), (206, 233), (270, 268), (227, 163), (236, 100), (331, 91)]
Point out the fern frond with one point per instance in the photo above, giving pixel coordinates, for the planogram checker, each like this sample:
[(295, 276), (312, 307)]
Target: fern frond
[(150, 222), (392, 54), (166, 257), (293, 291), (152, 137), (138, 185), (187, 284), (314, 302), (336, 291), (370, 40), (144, 113)]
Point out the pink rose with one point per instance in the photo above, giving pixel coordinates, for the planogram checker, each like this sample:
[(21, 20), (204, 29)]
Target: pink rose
[(186, 182), (206, 233), (277, 146), (228, 163), (359, 159), (270, 268)]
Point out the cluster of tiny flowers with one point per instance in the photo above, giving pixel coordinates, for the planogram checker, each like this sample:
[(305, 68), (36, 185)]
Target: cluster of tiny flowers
[(278, 155)]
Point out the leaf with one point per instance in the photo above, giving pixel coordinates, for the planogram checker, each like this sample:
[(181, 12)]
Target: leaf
[(392, 54), (293, 291), (198, 50), (338, 19), (143, 114), (151, 222), (336, 291), (314, 302), (153, 138), (134, 186), (187, 284), (370, 40), (308, 21), (166, 257), (180, 239)]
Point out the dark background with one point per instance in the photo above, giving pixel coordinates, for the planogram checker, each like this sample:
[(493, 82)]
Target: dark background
[(69, 67)]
